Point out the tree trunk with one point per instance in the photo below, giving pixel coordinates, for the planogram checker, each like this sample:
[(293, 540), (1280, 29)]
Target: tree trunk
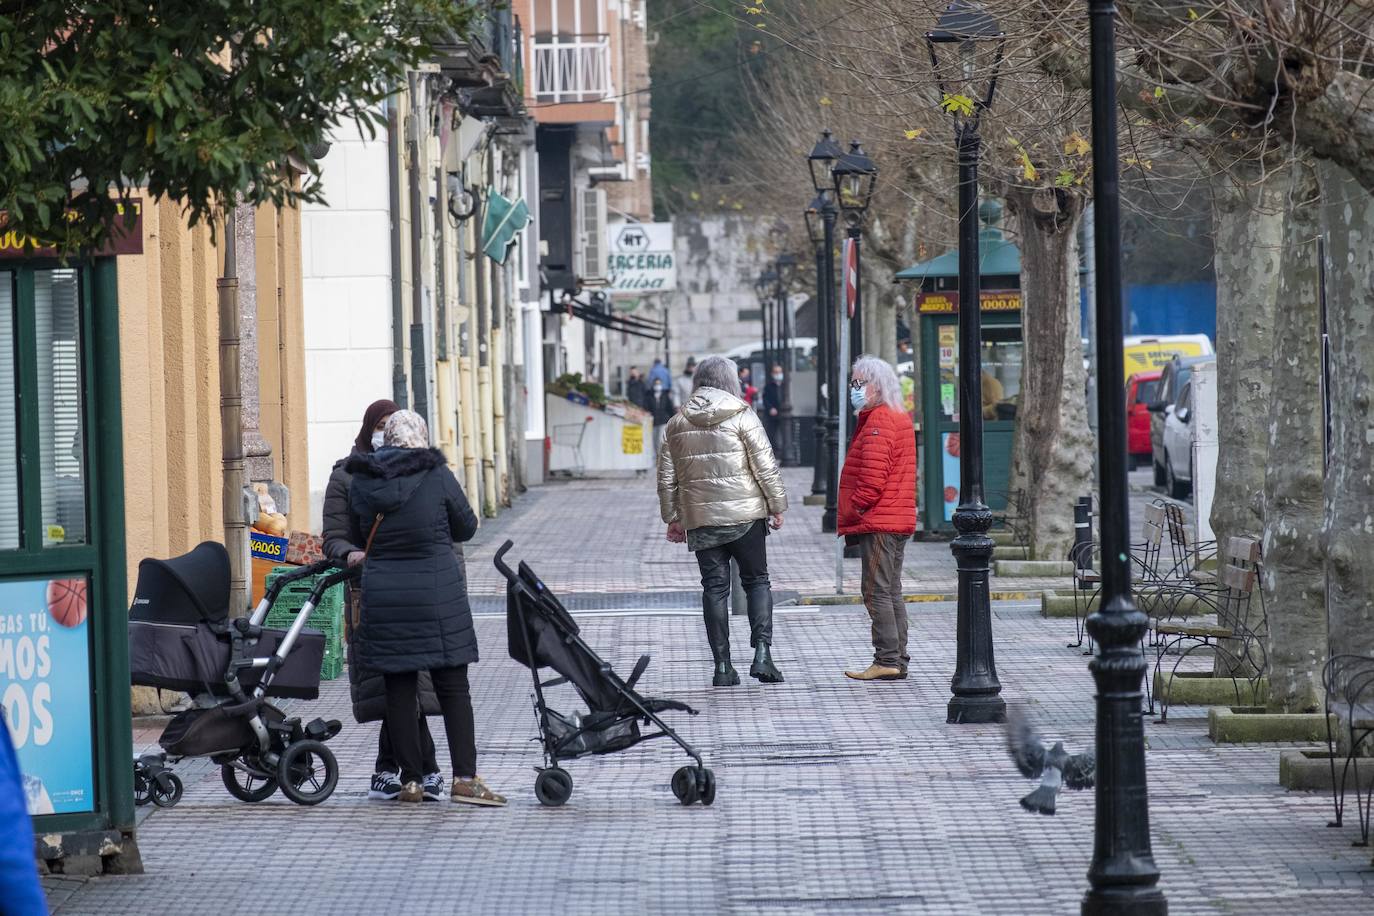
[(1052, 451), (1347, 221), (1248, 226), (1293, 581)]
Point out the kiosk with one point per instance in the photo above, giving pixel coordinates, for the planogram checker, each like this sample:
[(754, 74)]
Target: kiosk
[(937, 310), (64, 661)]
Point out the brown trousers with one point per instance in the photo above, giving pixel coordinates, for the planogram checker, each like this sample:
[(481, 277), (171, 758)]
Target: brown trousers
[(882, 592)]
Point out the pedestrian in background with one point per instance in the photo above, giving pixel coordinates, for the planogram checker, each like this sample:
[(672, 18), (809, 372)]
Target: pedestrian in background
[(772, 406), (366, 687), (719, 491), (408, 509), (660, 373), (877, 508), (635, 389), (682, 385), (660, 404), (747, 391)]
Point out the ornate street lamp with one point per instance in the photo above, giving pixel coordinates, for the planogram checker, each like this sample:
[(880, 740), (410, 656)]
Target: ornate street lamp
[(855, 176), (966, 87), (1123, 875), (821, 162)]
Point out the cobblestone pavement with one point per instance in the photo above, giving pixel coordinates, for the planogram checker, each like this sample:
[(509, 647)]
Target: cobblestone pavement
[(833, 797), (604, 538)]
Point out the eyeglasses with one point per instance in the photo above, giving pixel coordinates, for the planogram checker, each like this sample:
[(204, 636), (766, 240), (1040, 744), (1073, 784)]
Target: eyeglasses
[(857, 385)]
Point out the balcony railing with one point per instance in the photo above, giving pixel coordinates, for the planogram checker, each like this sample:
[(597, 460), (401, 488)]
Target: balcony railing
[(575, 68)]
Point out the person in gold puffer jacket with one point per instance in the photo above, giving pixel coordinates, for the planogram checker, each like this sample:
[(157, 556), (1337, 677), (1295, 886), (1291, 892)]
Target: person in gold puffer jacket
[(719, 491)]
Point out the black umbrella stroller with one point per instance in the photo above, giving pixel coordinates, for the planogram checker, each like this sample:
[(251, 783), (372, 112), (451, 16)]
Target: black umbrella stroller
[(181, 638), (541, 633)]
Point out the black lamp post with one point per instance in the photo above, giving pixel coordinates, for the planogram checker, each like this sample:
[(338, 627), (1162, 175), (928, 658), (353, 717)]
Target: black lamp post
[(821, 162), (976, 690), (816, 231), (1123, 875), (855, 176), (763, 287), (786, 269)]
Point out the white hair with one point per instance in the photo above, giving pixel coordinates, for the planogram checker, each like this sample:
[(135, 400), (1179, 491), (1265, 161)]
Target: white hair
[(717, 372), (880, 374)]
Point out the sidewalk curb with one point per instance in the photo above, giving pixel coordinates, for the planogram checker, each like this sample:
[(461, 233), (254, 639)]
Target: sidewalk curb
[(919, 598)]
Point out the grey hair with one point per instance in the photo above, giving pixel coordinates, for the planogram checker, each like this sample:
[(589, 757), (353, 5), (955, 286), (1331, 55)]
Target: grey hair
[(717, 372), (406, 429), (882, 376)]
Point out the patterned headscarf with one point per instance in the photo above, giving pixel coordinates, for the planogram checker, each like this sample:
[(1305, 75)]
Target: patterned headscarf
[(406, 429)]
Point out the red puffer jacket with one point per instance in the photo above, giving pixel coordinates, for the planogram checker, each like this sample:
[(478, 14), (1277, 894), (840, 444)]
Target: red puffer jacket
[(878, 484)]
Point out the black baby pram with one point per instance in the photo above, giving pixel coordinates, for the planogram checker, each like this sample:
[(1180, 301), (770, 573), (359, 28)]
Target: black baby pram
[(542, 634), (181, 638)]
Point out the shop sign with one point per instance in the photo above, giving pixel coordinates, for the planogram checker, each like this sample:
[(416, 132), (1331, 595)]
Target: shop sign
[(263, 546), (632, 439), (124, 238), (640, 258), (45, 691), (947, 303)]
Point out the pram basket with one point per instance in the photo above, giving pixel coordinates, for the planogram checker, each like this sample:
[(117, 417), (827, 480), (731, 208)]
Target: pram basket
[(540, 633)]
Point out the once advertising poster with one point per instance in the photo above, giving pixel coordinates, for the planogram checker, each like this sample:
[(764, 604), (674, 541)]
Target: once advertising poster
[(45, 690)]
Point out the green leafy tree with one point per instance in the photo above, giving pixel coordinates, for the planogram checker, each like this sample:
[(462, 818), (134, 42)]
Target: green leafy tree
[(200, 101)]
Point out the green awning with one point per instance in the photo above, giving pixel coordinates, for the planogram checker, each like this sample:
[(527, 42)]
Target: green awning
[(503, 220), (997, 257)]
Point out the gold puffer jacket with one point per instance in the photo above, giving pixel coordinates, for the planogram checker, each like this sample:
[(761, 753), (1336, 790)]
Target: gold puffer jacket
[(716, 466)]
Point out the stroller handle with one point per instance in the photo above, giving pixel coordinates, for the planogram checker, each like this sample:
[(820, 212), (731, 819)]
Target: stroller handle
[(500, 563)]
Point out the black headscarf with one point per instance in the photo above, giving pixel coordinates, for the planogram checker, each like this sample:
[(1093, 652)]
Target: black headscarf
[(374, 413)]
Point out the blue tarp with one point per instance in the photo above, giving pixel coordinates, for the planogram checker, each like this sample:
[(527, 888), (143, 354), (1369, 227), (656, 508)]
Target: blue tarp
[(1175, 308)]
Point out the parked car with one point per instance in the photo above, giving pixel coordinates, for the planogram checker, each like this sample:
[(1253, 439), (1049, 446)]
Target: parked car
[(1178, 445), (1172, 378), (1141, 392)]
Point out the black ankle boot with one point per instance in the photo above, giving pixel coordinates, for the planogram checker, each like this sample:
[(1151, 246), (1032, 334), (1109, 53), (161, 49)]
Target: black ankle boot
[(763, 667), (726, 675)]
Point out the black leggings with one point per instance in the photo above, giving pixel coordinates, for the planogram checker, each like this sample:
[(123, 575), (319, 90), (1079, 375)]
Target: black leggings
[(402, 703)]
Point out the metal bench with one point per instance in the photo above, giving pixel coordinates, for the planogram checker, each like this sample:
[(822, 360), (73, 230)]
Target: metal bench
[(1348, 681), (1237, 641)]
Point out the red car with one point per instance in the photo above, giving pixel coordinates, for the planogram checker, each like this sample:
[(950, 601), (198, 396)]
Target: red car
[(1140, 393)]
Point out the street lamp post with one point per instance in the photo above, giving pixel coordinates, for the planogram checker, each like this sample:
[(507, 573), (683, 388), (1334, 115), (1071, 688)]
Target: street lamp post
[(1123, 875), (815, 231), (855, 176), (975, 687), (821, 162), (786, 269), (763, 287)]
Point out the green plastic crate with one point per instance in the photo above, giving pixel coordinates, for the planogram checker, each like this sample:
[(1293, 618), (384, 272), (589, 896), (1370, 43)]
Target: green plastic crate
[(328, 617)]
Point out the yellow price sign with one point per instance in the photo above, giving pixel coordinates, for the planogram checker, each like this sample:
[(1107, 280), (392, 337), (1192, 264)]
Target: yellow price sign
[(632, 439)]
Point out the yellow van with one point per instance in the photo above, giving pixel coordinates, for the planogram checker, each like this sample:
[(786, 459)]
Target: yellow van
[(1146, 353)]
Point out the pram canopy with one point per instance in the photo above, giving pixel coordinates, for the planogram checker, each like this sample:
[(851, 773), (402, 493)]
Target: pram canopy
[(178, 639), (189, 589)]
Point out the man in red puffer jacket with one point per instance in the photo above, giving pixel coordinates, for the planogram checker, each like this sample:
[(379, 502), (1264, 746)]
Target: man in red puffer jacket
[(877, 507)]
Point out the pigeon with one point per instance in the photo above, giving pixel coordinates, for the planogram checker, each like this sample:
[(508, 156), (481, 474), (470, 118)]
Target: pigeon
[(1055, 766)]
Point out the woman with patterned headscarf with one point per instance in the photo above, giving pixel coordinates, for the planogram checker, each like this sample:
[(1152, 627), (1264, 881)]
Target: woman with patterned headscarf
[(408, 510)]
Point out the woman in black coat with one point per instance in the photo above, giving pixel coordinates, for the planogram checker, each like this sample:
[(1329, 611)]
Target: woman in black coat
[(366, 687), (408, 509)]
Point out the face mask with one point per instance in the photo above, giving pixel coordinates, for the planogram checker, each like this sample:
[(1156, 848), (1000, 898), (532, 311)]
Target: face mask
[(378, 440), (658, 389), (777, 376), (857, 397)]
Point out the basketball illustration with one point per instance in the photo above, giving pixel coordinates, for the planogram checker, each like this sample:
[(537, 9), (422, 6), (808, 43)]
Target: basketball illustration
[(952, 445), (67, 601)]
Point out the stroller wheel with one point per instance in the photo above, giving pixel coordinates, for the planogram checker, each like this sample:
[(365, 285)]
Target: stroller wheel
[(706, 785), (307, 772), (553, 787), (142, 793), (685, 785), (245, 786), (165, 789)]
